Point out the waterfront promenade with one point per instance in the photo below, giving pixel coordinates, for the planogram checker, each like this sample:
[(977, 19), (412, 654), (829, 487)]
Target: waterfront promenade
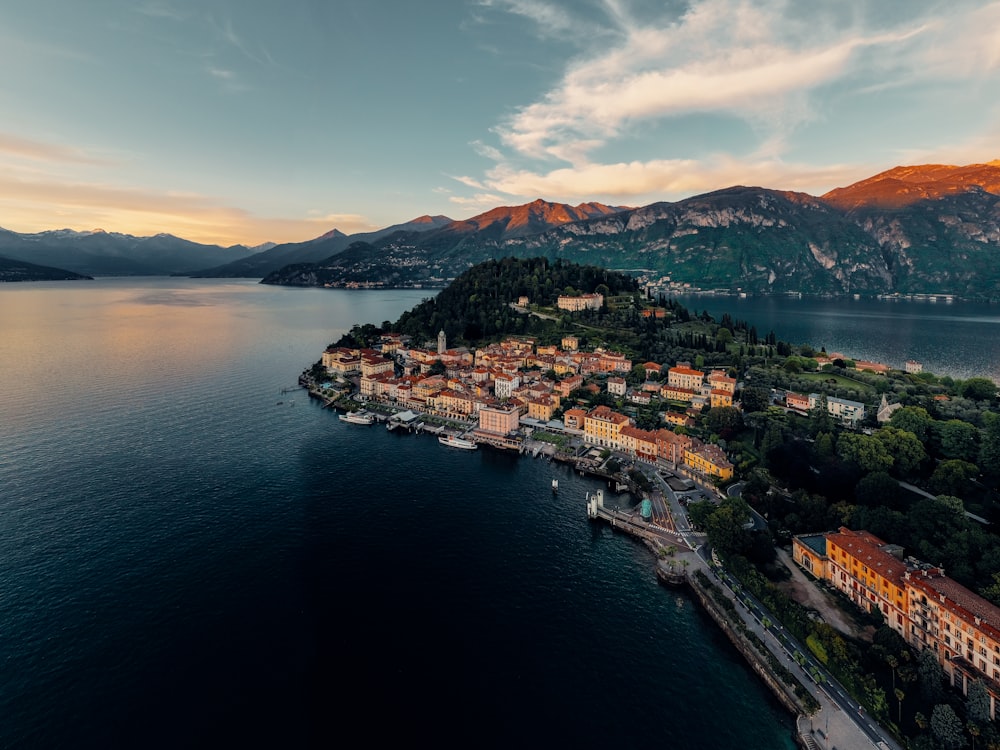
[(840, 723), (680, 554)]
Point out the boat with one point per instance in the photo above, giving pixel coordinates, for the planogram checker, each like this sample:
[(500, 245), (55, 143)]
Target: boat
[(357, 417), (453, 441), (555, 485)]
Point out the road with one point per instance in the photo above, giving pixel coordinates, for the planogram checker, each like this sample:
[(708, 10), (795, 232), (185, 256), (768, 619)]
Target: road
[(841, 722)]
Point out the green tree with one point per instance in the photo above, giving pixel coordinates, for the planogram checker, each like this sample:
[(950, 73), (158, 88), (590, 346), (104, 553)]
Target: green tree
[(931, 675), (979, 389), (989, 448), (867, 451), (952, 477), (977, 703), (877, 488), (947, 727), (913, 419), (724, 417), (755, 398), (906, 450), (959, 440), (824, 447)]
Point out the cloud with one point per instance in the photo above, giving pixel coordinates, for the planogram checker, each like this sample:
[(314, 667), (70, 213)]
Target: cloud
[(722, 56), (768, 64), (478, 202), (550, 18), (27, 148)]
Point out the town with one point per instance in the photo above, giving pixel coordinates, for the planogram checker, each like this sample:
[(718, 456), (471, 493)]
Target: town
[(590, 405)]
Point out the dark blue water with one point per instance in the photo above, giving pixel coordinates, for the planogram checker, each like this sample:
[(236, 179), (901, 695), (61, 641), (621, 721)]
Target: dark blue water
[(960, 339), (187, 562)]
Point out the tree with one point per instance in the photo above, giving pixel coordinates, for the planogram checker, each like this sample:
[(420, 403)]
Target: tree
[(724, 526), (913, 419), (947, 727), (931, 675), (952, 477), (877, 488), (977, 703), (867, 451), (723, 417), (979, 389), (906, 450), (959, 440), (989, 449), (755, 398)]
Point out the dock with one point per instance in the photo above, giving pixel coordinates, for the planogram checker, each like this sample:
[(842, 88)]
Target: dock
[(633, 523)]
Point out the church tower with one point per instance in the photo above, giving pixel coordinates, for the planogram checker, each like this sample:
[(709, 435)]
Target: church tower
[(442, 342)]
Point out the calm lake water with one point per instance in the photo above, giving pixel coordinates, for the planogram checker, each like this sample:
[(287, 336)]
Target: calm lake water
[(961, 339), (193, 556)]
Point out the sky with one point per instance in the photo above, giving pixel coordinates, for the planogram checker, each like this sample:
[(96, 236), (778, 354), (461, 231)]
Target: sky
[(246, 121)]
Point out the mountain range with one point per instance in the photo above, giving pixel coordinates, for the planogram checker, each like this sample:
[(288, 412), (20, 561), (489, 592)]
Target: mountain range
[(927, 229), (100, 253)]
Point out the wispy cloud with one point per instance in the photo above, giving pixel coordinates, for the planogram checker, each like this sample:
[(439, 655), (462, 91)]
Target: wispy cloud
[(764, 63), (27, 148)]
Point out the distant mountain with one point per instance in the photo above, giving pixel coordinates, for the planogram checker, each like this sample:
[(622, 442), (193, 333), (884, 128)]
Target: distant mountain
[(19, 270), (100, 253), (904, 186), (912, 230), (311, 251)]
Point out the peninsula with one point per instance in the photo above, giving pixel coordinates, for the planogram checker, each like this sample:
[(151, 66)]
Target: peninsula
[(739, 443)]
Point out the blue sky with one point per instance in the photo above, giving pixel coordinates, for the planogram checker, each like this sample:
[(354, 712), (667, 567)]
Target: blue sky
[(251, 120)]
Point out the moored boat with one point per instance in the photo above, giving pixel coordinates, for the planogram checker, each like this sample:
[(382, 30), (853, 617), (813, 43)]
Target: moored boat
[(453, 441), (357, 417)]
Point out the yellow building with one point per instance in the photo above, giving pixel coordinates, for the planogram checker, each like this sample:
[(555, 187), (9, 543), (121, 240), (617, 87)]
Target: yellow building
[(542, 408), (709, 460), (720, 398), (602, 427)]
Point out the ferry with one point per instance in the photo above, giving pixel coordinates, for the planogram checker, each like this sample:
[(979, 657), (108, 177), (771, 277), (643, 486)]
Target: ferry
[(453, 441), (357, 417)]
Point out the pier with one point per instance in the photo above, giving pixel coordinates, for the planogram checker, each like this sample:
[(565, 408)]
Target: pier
[(633, 523)]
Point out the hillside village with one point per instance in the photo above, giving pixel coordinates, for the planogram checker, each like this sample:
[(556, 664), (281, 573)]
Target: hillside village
[(507, 390), (813, 444)]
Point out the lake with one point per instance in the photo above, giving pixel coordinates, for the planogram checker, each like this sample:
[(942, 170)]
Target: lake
[(194, 554)]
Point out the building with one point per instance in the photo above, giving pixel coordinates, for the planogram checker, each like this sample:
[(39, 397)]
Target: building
[(708, 459), (570, 343), (573, 419), (638, 443), (913, 367), (542, 408), (684, 377), (341, 360), (917, 600), (848, 412), (602, 427), (616, 386), (718, 397), (442, 342), (670, 446), (722, 382), (797, 401), (885, 410), (499, 419), (580, 302)]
